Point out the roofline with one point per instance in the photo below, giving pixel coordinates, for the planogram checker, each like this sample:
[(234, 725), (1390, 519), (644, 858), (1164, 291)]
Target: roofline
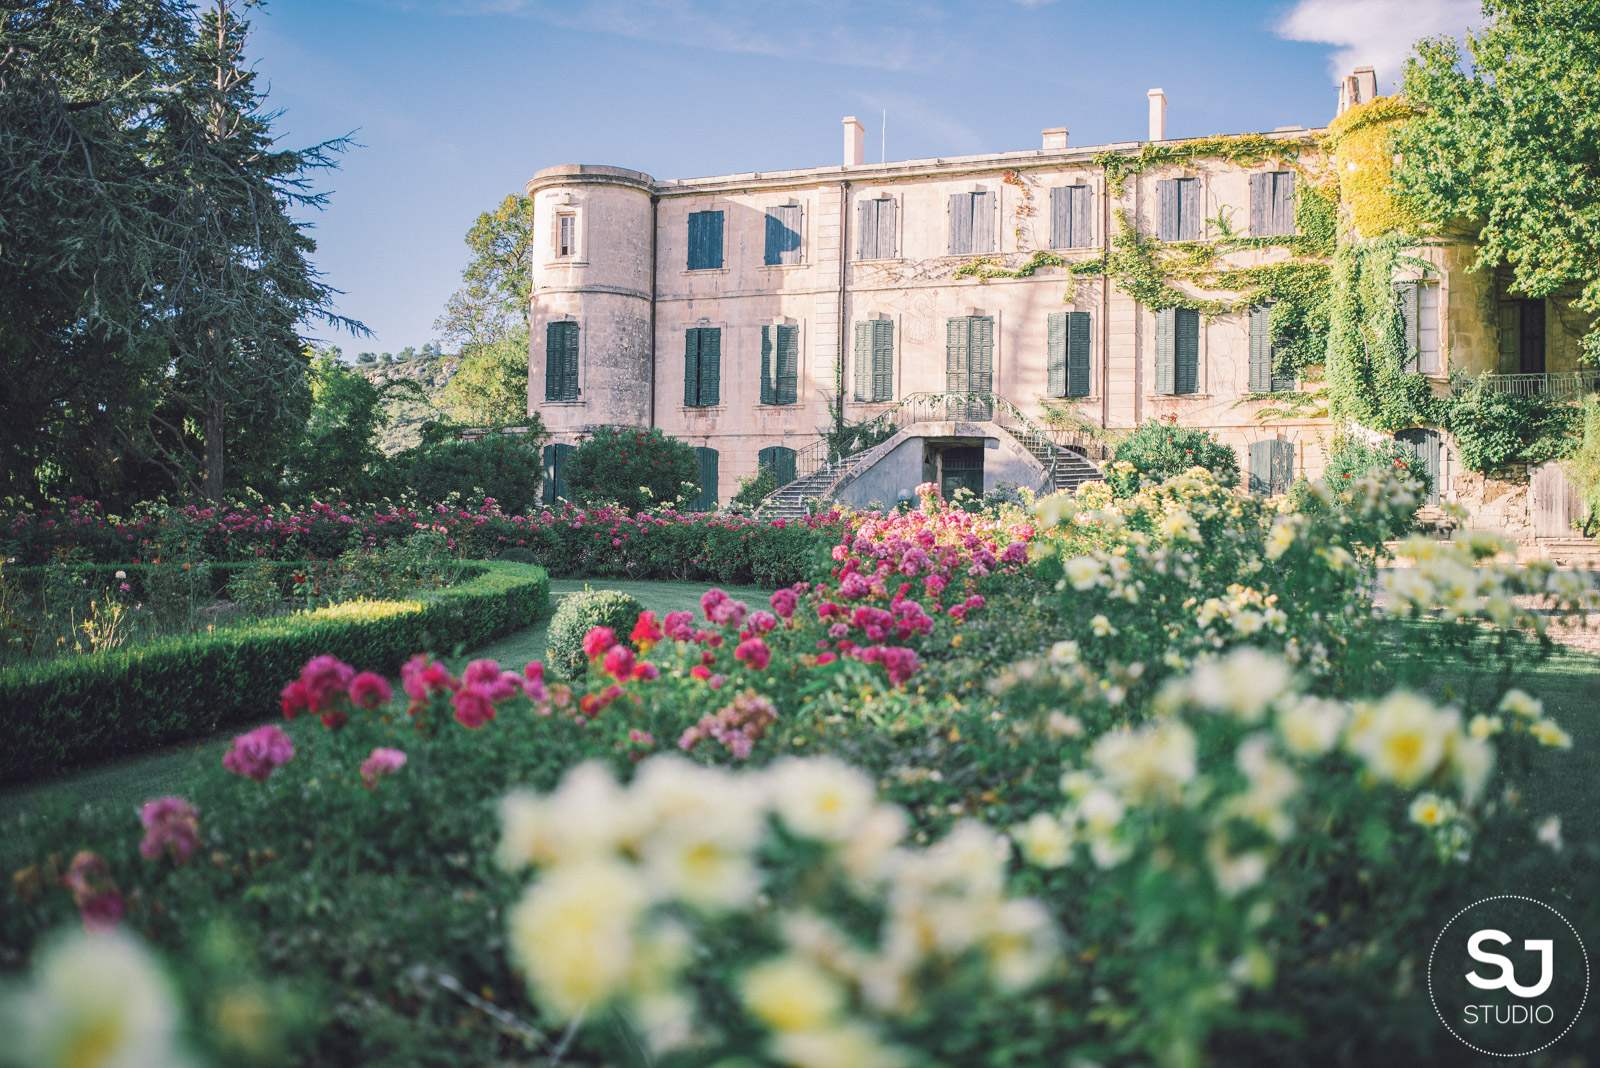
[(574, 174)]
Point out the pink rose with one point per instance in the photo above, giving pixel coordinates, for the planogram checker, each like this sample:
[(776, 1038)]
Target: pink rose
[(382, 761), (474, 706), (369, 690), (171, 825), (258, 753), (753, 653)]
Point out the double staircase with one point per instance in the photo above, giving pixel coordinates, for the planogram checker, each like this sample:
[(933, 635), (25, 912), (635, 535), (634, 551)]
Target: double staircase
[(818, 473)]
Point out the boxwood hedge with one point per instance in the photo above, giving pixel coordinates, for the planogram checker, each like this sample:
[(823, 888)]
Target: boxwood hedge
[(64, 712)]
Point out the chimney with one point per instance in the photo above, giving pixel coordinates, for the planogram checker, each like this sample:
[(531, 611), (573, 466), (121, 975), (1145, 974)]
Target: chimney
[(1366, 84), (1055, 139), (852, 141), (1158, 114)]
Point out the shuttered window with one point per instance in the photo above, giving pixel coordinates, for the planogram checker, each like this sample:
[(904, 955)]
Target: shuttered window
[(971, 223), (783, 235), (1067, 347), (705, 240), (780, 363), (779, 459), (1178, 209), (1426, 445), (1271, 467), (1272, 204), (702, 366), (707, 501), (1418, 305), (1177, 363), (875, 222), (874, 364), (554, 490), (969, 363), (1263, 379), (561, 361), (1070, 222)]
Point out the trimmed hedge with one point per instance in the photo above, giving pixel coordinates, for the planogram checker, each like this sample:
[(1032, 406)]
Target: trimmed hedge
[(577, 615), (65, 712)]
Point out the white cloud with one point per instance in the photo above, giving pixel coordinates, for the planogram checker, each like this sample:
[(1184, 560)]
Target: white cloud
[(1376, 33)]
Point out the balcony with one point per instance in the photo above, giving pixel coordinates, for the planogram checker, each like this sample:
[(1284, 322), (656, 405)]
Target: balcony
[(1557, 385)]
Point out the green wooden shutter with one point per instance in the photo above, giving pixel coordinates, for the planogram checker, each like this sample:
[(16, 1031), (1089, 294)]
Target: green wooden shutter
[(1188, 209), (1164, 351), (1260, 347), (555, 353), (960, 223), (768, 367), (707, 501), (786, 379), (1060, 217), (1056, 355), (569, 361), (863, 365), (780, 460), (1186, 351), (1078, 354), (711, 366), (1167, 209), (1406, 301), (691, 367), (1510, 337), (1261, 467), (697, 241), (1282, 471), (957, 353), (981, 378), (883, 360), (783, 234), (714, 239)]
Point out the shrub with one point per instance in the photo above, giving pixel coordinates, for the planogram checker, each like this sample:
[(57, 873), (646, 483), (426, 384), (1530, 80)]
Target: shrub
[(632, 469), (518, 555), (1493, 429), (1158, 450), (1350, 460), (580, 613), (754, 490), (504, 467), (63, 712)]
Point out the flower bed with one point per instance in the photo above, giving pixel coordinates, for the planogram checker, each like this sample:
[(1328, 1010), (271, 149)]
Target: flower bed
[(1137, 782)]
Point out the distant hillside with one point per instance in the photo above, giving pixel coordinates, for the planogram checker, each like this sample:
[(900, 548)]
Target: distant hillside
[(430, 369)]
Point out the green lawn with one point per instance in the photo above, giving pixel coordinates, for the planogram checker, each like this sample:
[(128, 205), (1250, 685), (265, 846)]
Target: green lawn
[(169, 771)]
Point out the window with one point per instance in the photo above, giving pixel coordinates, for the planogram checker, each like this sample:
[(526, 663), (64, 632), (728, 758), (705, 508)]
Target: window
[(705, 240), (1419, 320), (566, 235), (780, 460), (707, 501), (554, 490), (1272, 204), (1068, 348), (874, 375), (1178, 209), (1262, 377), (561, 361), (1522, 337), (1177, 350), (780, 363), (971, 223), (783, 235), (1070, 222), (702, 366), (969, 364), (875, 220), (1425, 444), (1271, 467)]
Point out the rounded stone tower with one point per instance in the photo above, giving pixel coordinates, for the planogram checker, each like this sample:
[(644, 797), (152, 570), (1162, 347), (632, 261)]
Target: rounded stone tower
[(589, 358)]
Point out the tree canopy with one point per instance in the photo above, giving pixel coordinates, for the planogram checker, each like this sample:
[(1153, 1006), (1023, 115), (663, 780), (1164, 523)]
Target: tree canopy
[(1508, 139)]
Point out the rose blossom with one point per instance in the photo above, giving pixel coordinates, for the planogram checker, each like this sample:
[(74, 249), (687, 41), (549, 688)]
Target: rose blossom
[(171, 825), (256, 754), (382, 761)]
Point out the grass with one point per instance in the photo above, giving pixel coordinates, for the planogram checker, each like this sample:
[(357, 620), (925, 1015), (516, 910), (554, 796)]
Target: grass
[(138, 778)]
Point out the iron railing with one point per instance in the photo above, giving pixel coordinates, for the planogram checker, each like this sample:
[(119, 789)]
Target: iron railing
[(1557, 385)]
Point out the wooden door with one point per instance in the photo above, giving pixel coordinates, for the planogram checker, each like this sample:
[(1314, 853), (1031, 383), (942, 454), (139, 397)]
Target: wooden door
[(1554, 502)]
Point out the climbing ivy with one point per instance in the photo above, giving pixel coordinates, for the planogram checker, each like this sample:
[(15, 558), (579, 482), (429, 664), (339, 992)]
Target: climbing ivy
[(1366, 371)]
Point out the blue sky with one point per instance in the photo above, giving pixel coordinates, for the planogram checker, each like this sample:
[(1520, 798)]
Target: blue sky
[(458, 102)]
